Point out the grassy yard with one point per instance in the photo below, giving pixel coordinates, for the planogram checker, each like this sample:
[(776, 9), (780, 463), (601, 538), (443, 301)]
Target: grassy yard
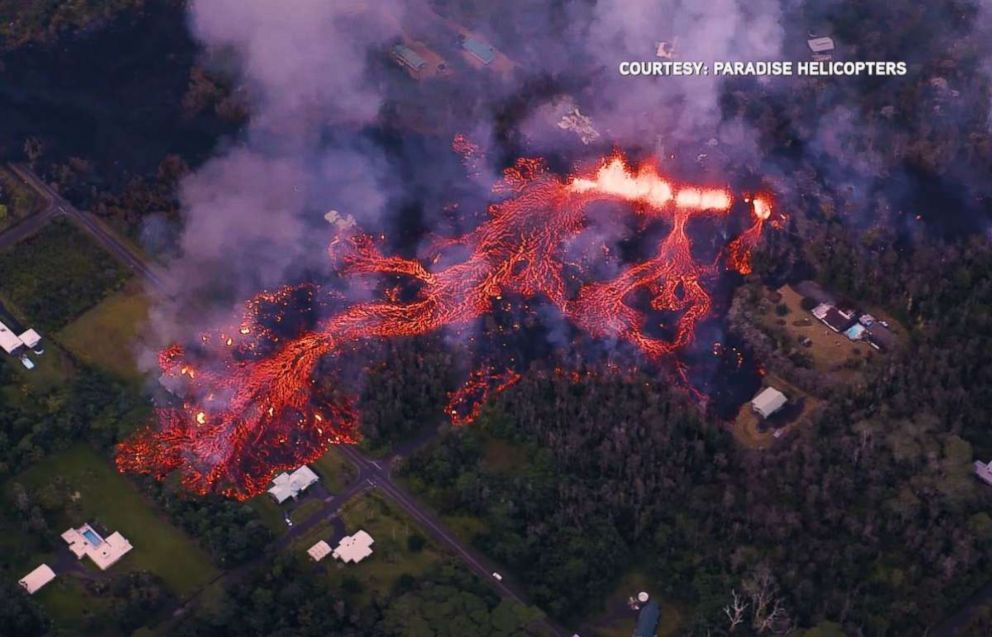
[(830, 351), (618, 620), (305, 509), (106, 334), (109, 499), (56, 275), (746, 430), (391, 556), (52, 369), (336, 472), (270, 512)]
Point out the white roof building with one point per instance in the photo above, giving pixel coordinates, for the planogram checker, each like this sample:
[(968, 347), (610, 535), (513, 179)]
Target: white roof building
[(36, 579), (354, 548), (84, 541), (820, 311), (9, 341), (290, 485), (319, 551), (983, 471), (821, 45), (30, 338), (768, 401)]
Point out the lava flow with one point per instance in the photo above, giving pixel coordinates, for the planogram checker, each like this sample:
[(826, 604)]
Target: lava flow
[(251, 412)]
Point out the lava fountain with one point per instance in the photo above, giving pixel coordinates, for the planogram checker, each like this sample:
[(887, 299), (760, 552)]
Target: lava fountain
[(247, 417)]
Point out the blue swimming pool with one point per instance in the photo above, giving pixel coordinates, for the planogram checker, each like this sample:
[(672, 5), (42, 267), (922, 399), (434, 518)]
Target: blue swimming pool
[(92, 537)]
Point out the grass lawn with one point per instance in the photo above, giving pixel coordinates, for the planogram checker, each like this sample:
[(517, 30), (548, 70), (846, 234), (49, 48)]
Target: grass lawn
[(336, 472), (270, 512), (52, 369), (109, 499), (105, 335), (391, 557), (618, 620), (305, 509), (323, 530), (830, 350), (56, 275), (76, 610)]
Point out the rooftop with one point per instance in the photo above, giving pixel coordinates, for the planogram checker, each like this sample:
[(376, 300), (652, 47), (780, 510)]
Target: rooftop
[(9, 341), (354, 548), (647, 620), (319, 551), (409, 57), (290, 485), (480, 49), (36, 579), (768, 401), (105, 552)]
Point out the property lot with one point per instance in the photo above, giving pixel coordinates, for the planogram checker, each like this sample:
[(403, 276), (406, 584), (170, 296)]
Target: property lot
[(54, 276), (830, 351), (105, 335), (88, 489)]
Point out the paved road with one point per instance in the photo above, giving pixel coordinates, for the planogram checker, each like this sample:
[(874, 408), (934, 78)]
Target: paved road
[(56, 206), (380, 476)]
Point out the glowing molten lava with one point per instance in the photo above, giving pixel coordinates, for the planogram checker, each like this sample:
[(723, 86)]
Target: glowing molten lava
[(250, 416)]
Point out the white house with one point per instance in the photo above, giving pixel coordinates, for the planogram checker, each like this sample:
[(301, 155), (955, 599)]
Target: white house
[(768, 401), (9, 341), (354, 548), (984, 471), (319, 551), (36, 579), (104, 552), (16, 345), (32, 340), (290, 485)]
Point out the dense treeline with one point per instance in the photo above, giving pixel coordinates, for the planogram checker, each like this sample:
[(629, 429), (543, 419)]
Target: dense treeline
[(863, 519), (404, 394), (290, 597), (231, 531)]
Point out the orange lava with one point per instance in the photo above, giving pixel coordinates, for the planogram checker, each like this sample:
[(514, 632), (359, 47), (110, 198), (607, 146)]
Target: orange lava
[(252, 416)]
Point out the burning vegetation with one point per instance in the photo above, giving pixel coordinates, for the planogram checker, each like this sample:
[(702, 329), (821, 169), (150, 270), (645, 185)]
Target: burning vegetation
[(251, 408)]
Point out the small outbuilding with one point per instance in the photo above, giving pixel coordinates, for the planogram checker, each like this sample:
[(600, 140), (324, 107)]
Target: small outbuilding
[(36, 579), (479, 50), (319, 551), (768, 401), (648, 619), (408, 58)]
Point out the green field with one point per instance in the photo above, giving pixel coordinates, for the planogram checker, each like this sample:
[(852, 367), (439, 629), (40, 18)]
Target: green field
[(109, 499), (105, 335), (56, 275), (335, 471)]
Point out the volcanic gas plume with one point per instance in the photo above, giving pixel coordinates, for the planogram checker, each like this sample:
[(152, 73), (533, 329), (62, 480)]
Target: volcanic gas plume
[(248, 416)]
